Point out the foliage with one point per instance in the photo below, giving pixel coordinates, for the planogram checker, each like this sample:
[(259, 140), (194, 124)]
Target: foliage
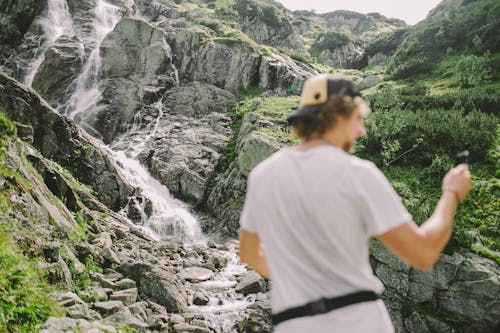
[(476, 222), (269, 12), (271, 110), (456, 27), (25, 301), (7, 129), (328, 41), (473, 71), (421, 135), (386, 43)]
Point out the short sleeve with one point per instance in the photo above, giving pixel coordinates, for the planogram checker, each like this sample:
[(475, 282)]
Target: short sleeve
[(248, 218), (380, 205)]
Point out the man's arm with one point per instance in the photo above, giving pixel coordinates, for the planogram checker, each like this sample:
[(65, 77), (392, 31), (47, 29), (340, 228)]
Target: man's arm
[(251, 252), (420, 247)]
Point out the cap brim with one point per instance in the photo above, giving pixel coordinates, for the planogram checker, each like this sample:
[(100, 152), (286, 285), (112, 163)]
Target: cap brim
[(304, 111)]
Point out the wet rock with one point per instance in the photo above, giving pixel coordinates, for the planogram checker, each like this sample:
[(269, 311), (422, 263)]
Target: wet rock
[(251, 283), (196, 274), (133, 56), (17, 18), (255, 319), (62, 64), (200, 298), (127, 296)]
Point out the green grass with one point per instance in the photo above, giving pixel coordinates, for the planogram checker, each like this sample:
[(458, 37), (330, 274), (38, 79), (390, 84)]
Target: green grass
[(25, 301)]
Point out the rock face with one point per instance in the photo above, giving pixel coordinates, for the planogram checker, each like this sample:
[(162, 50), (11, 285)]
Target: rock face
[(79, 154), (133, 58), (461, 288), (15, 19), (61, 66), (225, 199), (346, 56)]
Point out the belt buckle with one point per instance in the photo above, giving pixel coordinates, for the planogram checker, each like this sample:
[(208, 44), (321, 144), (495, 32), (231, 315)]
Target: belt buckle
[(318, 307)]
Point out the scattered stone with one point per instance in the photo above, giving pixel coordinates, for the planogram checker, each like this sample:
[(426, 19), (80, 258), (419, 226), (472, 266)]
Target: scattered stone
[(196, 274), (186, 328), (108, 308), (126, 318), (82, 311), (251, 283), (68, 325), (127, 296), (139, 310), (103, 280), (126, 284), (200, 297), (68, 299)]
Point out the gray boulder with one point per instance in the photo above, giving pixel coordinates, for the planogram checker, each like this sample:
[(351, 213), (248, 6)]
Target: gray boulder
[(196, 274), (251, 283), (200, 297), (127, 296), (109, 307), (157, 284)]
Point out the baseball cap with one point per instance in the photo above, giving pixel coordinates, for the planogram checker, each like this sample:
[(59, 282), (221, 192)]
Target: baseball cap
[(318, 89)]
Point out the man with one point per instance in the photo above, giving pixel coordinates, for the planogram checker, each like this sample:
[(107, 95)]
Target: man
[(311, 209)]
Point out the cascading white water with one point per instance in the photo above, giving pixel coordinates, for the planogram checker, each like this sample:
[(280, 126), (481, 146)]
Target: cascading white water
[(82, 104), (168, 216), (55, 23)]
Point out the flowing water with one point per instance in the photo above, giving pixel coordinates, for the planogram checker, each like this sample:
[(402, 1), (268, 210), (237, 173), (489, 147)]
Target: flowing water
[(56, 22), (156, 211)]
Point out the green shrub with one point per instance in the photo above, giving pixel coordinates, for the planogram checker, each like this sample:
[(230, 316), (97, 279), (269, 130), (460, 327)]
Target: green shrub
[(472, 71), (25, 303), (416, 137), (329, 41)]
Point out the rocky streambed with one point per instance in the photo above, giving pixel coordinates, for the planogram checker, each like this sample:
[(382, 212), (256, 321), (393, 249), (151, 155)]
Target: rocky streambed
[(164, 286)]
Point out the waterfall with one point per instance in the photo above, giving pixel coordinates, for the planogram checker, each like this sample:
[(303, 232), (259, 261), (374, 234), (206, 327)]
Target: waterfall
[(82, 104), (160, 214), (56, 22), (168, 216)]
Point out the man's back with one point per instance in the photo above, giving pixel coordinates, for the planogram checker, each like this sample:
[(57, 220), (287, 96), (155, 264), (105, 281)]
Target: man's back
[(308, 213)]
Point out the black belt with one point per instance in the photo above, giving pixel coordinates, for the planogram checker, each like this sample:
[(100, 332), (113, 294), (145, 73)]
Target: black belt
[(324, 305)]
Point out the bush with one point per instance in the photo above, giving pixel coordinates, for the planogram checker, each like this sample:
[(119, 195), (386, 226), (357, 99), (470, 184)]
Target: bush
[(25, 303), (472, 71), (329, 41), (416, 137)]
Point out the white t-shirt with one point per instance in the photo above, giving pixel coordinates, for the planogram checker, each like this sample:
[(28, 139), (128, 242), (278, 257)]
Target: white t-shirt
[(315, 212)]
